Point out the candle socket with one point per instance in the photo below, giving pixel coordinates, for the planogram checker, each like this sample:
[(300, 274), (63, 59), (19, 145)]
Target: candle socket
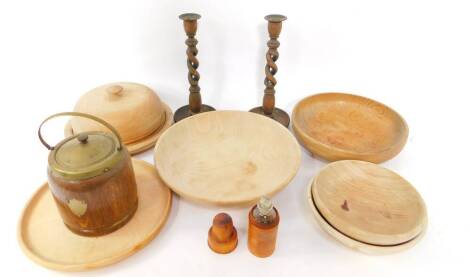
[(195, 102), (268, 109)]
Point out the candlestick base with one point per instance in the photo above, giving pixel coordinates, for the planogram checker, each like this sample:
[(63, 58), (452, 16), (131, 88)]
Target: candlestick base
[(184, 112), (278, 115)]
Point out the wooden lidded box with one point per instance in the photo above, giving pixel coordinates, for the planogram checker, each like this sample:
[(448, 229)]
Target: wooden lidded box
[(92, 180)]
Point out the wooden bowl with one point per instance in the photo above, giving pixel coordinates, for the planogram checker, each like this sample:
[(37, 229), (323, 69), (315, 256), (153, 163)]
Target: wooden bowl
[(227, 157), (133, 109), (367, 207), (338, 126)]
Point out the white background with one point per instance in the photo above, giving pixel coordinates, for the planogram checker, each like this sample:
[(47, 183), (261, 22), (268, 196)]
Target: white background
[(411, 55)]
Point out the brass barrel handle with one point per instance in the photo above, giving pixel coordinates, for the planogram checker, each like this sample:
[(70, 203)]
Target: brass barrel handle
[(89, 116)]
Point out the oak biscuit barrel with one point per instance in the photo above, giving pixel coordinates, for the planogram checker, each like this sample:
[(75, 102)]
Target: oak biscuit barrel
[(92, 180)]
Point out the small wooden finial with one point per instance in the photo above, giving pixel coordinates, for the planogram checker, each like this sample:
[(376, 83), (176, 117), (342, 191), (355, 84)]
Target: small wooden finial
[(115, 90)]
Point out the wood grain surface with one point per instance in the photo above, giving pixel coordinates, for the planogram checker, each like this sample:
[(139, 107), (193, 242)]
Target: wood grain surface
[(145, 143), (227, 157), (369, 203), (339, 126), (98, 205), (365, 248), (262, 237), (46, 240)]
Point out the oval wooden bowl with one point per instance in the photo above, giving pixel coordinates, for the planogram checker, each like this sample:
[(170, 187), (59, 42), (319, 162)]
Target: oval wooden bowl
[(146, 143), (339, 126), (227, 157), (46, 240), (367, 207)]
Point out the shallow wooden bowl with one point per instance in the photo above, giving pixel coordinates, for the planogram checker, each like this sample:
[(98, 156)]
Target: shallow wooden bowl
[(227, 157), (339, 126), (367, 207)]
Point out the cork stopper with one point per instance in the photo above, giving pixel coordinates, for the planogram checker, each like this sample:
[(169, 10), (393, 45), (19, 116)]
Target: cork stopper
[(222, 235)]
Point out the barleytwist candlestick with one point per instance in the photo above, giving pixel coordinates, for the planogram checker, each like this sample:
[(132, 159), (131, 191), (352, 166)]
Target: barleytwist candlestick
[(195, 103), (268, 109)]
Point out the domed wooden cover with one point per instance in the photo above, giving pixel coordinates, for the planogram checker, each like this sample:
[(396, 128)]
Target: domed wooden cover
[(133, 109)]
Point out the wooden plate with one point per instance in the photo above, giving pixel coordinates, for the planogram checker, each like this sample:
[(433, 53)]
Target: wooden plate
[(338, 126), (227, 157), (367, 207), (143, 144), (45, 239)]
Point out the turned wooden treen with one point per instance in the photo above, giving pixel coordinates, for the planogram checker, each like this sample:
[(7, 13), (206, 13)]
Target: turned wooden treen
[(222, 236), (263, 223), (268, 109), (367, 207), (91, 179), (135, 110), (46, 240), (231, 159), (340, 126), (195, 103)]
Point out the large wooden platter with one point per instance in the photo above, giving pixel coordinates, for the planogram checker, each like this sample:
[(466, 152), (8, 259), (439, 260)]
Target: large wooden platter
[(46, 240), (367, 207), (227, 157), (339, 126)]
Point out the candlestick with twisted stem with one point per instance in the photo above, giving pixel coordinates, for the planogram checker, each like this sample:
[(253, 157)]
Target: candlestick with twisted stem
[(268, 109), (195, 103)]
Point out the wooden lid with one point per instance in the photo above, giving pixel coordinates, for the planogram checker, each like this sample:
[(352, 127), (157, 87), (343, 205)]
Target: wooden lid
[(227, 157), (143, 144), (369, 203), (133, 109), (46, 240)]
